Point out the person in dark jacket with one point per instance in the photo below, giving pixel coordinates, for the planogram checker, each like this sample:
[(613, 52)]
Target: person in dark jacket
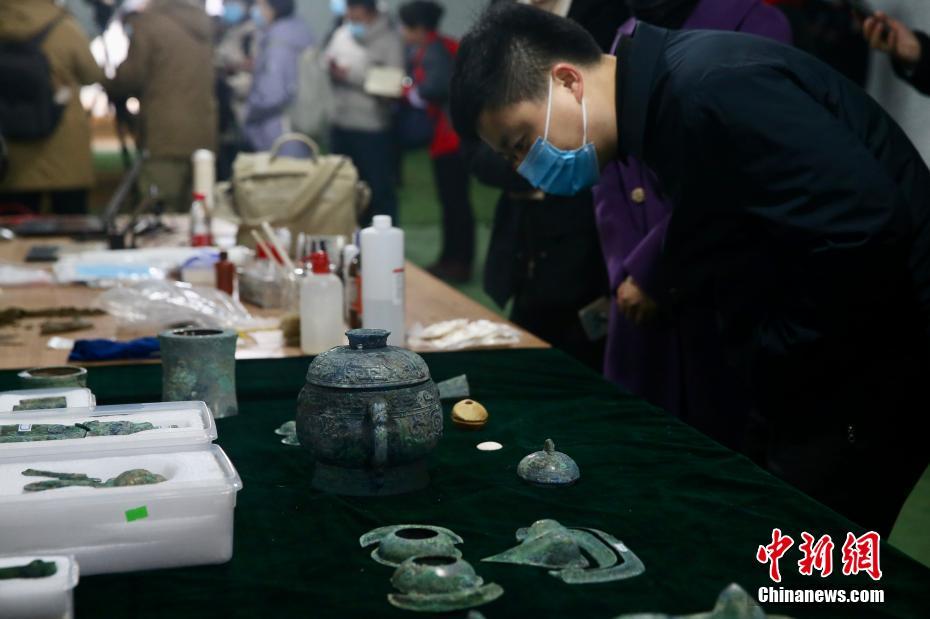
[(909, 49), (673, 360), (799, 215), (429, 67), (544, 252)]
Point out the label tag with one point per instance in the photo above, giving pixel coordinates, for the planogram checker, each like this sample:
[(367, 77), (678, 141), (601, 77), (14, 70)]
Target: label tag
[(25, 427), (137, 513), (398, 287)]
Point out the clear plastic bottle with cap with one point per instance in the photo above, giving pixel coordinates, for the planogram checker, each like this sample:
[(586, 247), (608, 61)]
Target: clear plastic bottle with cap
[(201, 234), (383, 287), (352, 280), (321, 324)]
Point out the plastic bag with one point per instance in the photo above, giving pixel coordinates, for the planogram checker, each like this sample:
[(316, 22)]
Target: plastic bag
[(461, 333), (163, 304)]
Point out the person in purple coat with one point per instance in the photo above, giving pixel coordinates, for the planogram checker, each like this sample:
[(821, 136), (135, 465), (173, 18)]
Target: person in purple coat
[(674, 361), (284, 38)]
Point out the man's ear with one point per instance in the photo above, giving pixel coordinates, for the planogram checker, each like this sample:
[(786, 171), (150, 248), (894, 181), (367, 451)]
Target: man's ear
[(567, 75)]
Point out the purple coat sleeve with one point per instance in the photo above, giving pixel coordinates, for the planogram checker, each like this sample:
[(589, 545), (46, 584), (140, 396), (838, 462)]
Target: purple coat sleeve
[(767, 21)]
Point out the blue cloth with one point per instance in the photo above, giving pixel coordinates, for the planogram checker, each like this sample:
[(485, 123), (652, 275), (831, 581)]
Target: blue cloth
[(274, 85), (107, 350)]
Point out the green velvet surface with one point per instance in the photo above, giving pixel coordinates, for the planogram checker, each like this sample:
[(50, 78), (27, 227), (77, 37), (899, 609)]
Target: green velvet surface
[(693, 511)]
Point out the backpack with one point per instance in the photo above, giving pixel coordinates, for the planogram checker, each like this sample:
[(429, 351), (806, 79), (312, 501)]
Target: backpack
[(28, 110), (312, 109)]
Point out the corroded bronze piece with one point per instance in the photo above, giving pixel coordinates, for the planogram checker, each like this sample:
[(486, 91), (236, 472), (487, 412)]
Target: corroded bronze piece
[(397, 543), (439, 585), (134, 477)]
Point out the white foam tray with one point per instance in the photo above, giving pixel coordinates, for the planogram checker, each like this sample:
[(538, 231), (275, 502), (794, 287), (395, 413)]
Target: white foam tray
[(189, 517), (194, 428), (39, 598), (75, 397)]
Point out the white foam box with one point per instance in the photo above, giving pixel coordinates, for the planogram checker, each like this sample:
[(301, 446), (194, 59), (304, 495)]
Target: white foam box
[(77, 397), (178, 426), (185, 520), (39, 598)]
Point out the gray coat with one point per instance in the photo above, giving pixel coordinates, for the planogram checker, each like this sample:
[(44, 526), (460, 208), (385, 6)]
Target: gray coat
[(381, 46)]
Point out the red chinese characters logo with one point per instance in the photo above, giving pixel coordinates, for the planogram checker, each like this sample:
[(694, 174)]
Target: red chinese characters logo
[(773, 552), (861, 554), (817, 555)]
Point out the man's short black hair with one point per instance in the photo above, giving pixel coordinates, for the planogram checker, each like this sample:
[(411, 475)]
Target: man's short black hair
[(505, 57), (371, 5), (282, 8), (421, 14)]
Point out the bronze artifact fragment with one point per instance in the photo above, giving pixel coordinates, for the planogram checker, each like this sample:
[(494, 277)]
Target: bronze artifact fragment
[(26, 433), (397, 543), (439, 585), (134, 477), (576, 555), (35, 404), (34, 569)]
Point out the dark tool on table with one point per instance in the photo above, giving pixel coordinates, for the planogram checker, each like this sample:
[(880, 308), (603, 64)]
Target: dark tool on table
[(68, 325), (42, 253), (85, 226)]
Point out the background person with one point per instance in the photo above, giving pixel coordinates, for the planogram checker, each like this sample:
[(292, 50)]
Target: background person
[(673, 359), (361, 129), (909, 49), (169, 67), (284, 38), (429, 63), (784, 205), (59, 166)]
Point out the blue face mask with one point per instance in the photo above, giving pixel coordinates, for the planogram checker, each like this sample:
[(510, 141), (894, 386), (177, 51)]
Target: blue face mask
[(358, 29), (337, 7), (257, 16), (233, 12), (561, 172)]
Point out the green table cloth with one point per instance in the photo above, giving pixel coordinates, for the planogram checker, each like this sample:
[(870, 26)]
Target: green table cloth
[(693, 511)]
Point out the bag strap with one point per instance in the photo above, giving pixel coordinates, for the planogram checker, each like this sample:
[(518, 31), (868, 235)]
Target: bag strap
[(293, 137), (39, 38)]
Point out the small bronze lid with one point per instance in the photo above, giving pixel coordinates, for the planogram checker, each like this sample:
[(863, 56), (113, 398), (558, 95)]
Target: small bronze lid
[(548, 467), (367, 362)]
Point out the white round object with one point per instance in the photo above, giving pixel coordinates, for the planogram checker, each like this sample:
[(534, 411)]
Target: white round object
[(489, 446)]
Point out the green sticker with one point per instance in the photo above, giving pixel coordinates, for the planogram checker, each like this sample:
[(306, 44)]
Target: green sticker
[(137, 513)]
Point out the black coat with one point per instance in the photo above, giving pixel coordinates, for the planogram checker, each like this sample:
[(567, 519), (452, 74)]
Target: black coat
[(801, 215)]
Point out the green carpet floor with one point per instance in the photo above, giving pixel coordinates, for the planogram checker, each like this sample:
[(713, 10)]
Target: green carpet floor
[(420, 216)]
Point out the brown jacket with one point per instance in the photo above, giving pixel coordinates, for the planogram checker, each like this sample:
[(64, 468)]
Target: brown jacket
[(170, 69), (62, 160)]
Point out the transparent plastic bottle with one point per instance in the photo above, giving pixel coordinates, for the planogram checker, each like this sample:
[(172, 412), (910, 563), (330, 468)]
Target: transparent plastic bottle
[(201, 234), (321, 324)]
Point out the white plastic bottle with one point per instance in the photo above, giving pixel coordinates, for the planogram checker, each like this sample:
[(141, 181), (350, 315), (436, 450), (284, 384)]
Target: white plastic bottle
[(321, 325), (383, 287), (203, 171)]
